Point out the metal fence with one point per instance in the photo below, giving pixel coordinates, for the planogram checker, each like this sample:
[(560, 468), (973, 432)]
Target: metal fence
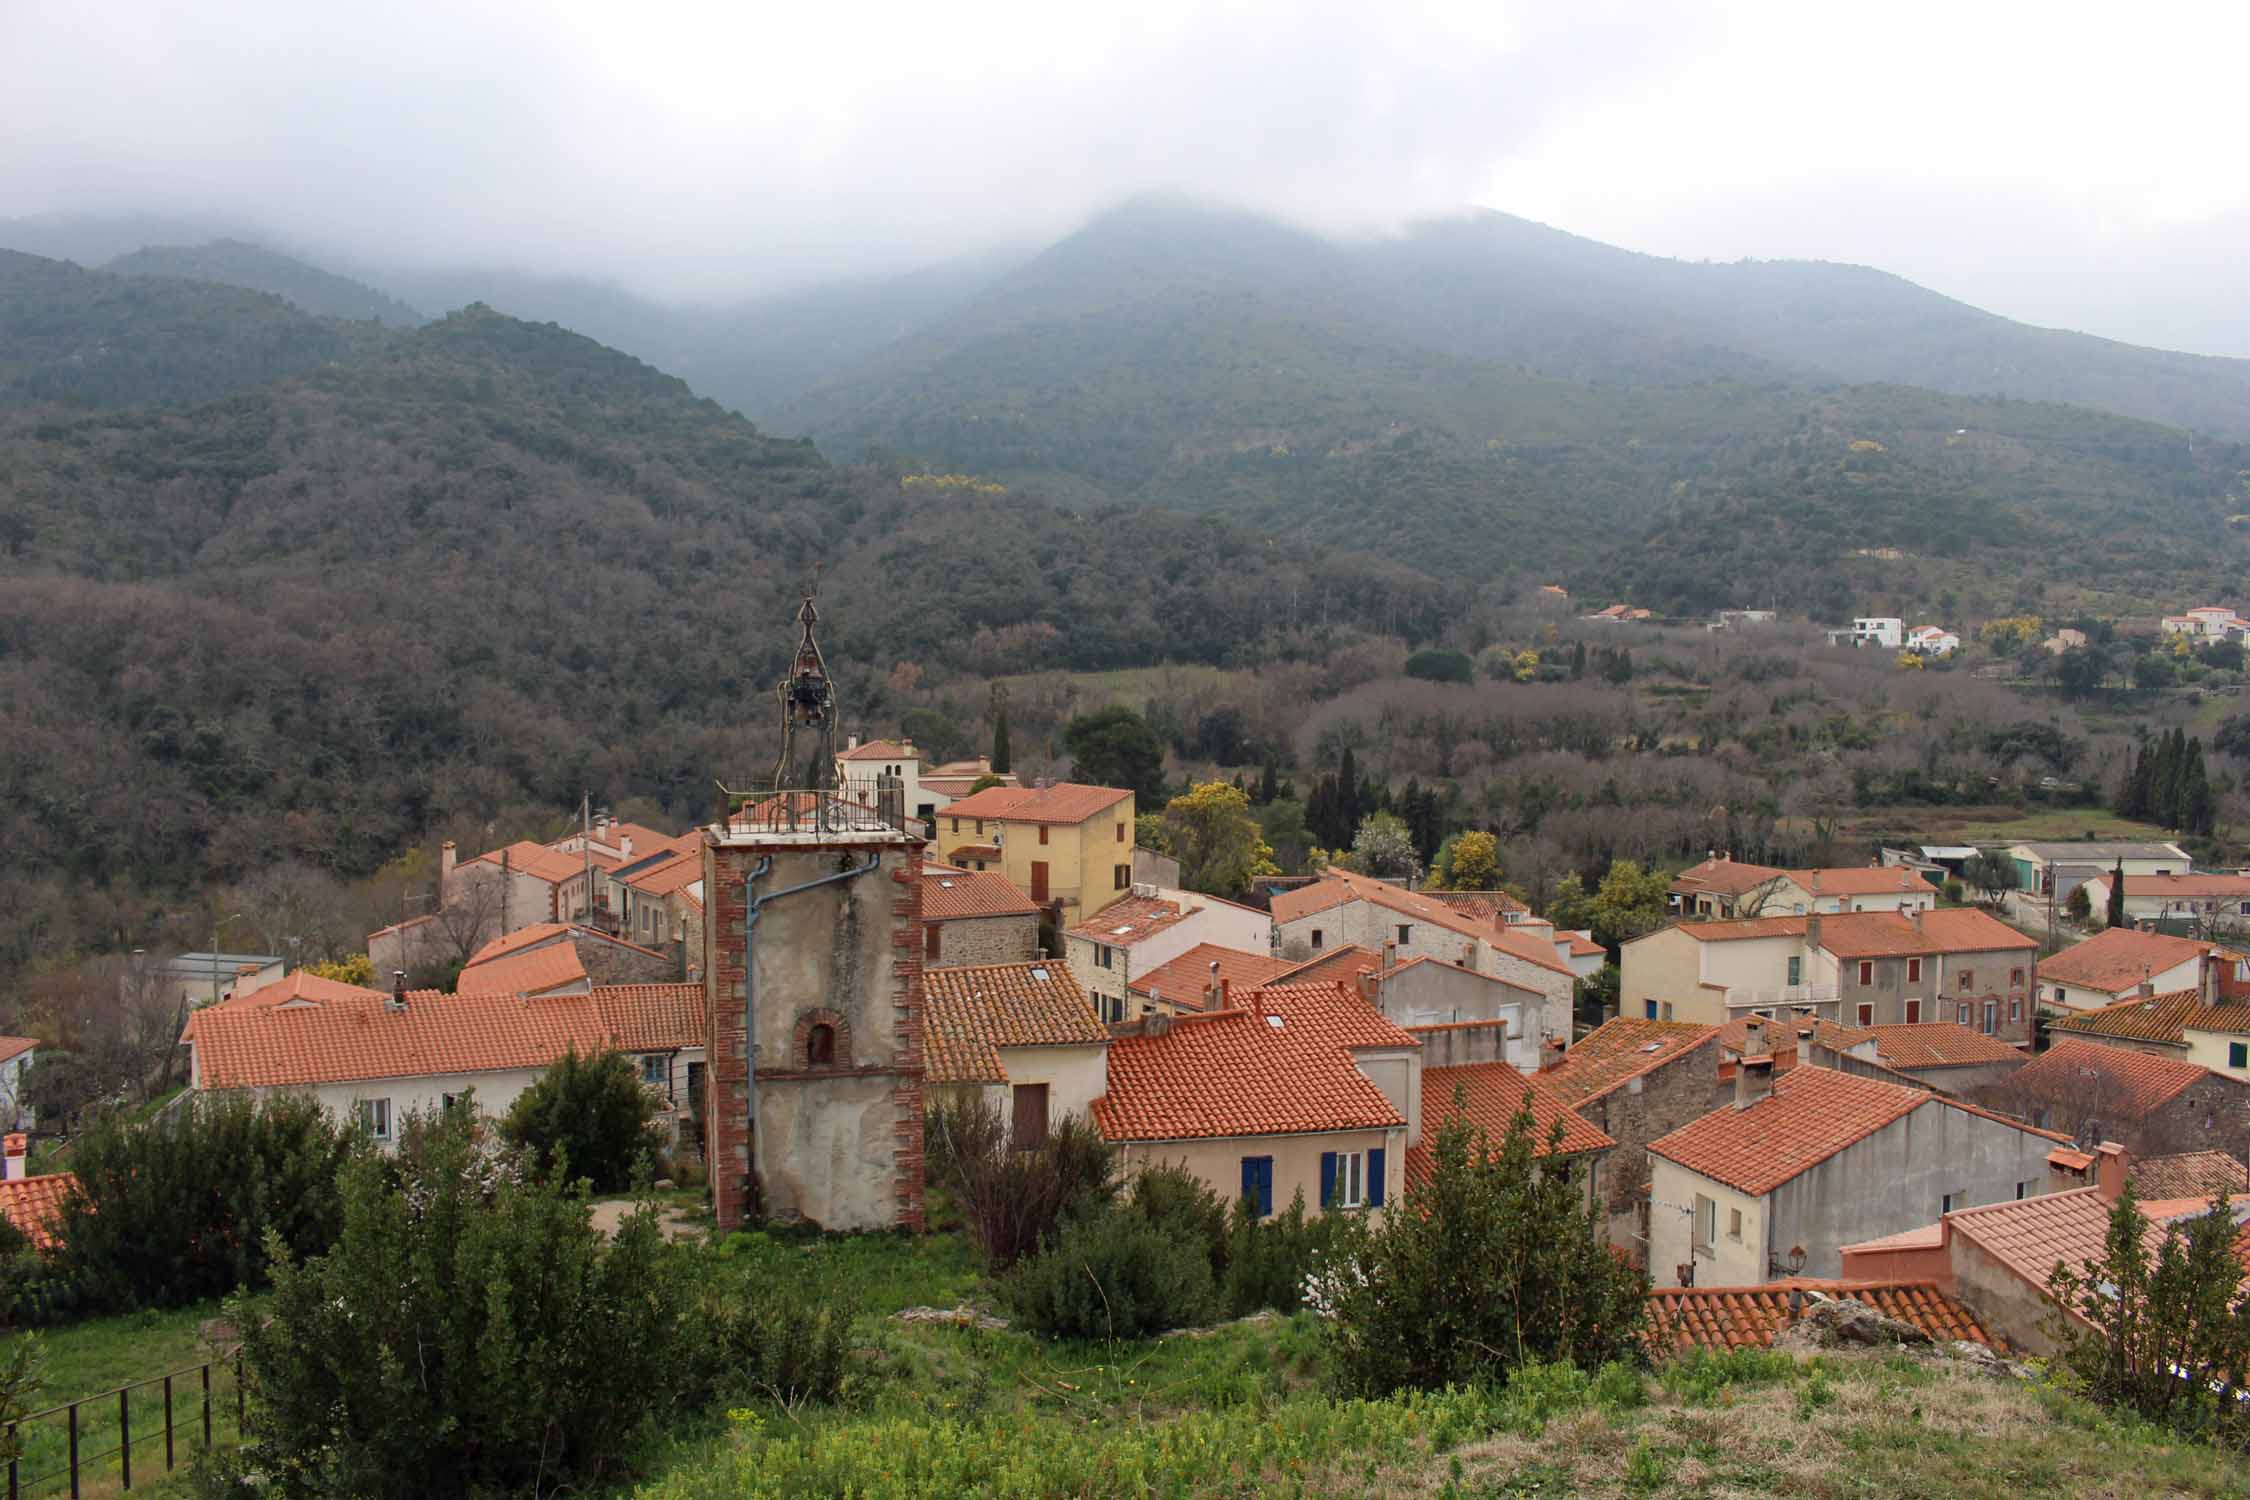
[(856, 807), (100, 1445)]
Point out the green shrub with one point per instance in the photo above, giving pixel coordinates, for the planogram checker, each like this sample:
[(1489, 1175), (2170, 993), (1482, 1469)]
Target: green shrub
[(189, 1207), (1492, 1261), (588, 1114), (469, 1333), (1699, 1376), (1174, 1200), (1112, 1274), (1439, 665), (768, 1345), (1269, 1259)]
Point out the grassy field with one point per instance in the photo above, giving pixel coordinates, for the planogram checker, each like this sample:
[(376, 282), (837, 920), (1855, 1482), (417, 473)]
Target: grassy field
[(1990, 825), (99, 1355)]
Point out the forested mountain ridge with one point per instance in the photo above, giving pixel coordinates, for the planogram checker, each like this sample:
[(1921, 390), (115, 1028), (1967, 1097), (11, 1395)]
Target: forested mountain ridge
[(236, 263), (74, 337), (487, 564)]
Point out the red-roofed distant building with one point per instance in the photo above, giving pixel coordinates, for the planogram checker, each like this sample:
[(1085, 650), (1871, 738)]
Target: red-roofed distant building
[(1022, 1035), (1778, 1180), (1065, 845), (1114, 948), (2153, 1105), (1637, 1080), (1301, 1089), (975, 917)]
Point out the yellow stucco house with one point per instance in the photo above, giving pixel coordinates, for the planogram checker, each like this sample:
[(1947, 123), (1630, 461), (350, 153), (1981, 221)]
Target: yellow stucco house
[(1066, 843)]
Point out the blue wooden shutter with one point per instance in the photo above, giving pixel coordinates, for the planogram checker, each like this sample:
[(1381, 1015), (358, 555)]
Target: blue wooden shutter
[(1327, 1179), (1250, 1178), (1375, 1178), (1257, 1183)]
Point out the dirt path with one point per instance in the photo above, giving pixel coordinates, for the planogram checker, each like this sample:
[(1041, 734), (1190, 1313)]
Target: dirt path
[(676, 1223)]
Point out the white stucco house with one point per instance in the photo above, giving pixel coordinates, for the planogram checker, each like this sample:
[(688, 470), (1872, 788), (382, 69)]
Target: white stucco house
[(16, 1053)]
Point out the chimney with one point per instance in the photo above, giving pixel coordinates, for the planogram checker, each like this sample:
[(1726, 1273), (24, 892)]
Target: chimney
[(1812, 933), (1914, 915), (1753, 1071), (447, 855), (1550, 1054), (2109, 1169), (1390, 954), (851, 742), (398, 989), (15, 1157), (1211, 988), (2208, 976), (2146, 989), (1368, 985), (1226, 994)]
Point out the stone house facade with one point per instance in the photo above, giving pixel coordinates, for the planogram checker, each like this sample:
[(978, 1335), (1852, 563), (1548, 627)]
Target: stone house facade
[(1636, 1080)]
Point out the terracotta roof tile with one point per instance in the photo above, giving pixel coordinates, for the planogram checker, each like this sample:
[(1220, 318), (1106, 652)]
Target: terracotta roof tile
[(653, 1017), (1736, 929), (536, 935), (1724, 877), (1280, 1066), (1880, 934), (900, 750), (2117, 958), (1939, 1044), (2182, 887), (2188, 1174), (1345, 964), (976, 1009), (2129, 1082), (1812, 1114), (535, 860), (1121, 924), (1064, 802), (1337, 887), (1489, 1096), (301, 985), (676, 872), (16, 1046), (1751, 1317), (528, 971), (264, 1046), (1489, 906), (1616, 1051), (1864, 880), (976, 851), (34, 1205), (1181, 980), (948, 895), (2154, 1018)]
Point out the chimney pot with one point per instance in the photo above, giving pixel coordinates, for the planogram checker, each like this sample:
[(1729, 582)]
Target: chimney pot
[(398, 988), (1390, 954), (14, 1154), (2109, 1169)]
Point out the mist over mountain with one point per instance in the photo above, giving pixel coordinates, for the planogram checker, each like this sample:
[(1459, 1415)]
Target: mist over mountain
[(237, 263)]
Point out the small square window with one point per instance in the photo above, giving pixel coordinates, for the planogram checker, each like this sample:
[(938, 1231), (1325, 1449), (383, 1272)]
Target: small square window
[(1316, 939), (1866, 972), (1914, 971), (375, 1115), (1102, 955), (1405, 933), (1734, 1224), (2238, 1054), (656, 1068), (1968, 979), (1867, 1015)]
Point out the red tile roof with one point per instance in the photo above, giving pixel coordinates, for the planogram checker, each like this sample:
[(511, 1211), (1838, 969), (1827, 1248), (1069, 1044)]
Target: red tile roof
[(1180, 981), (2117, 958), (1064, 802), (1280, 1066), (948, 895), (2182, 887), (1887, 934), (34, 1205), (1121, 924), (2152, 1018), (12, 1047), (2122, 1080), (301, 985), (1735, 929), (1939, 1044), (528, 971), (2188, 1174), (1489, 906), (2031, 1235), (1812, 1114), (662, 880), (265, 1046), (536, 935), (976, 851), (1752, 1317), (1864, 880), (1619, 1050), (975, 1010), (1337, 887), (1724, 877), (535, 860), (1489, 1096), (900, 750), (1345, 964), (1782, 1037)]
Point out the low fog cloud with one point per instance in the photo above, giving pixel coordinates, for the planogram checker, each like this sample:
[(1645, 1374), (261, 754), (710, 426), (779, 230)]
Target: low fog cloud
[(2021, 157)]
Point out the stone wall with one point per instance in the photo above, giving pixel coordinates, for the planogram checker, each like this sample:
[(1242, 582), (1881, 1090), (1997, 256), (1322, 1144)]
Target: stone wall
[(1636, 1112), (622, 963), (987, 940)]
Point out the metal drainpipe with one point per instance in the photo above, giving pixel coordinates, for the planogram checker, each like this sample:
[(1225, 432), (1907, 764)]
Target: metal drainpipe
[(751, 904)]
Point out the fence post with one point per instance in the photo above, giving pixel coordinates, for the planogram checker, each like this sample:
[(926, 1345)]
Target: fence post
[(73, 1450), (207, 1405), (241, 1397), (15, 1490), (167, 1424), (125, 1432)]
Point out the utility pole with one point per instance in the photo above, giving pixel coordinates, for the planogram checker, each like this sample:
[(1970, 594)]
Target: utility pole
[(586, 846), (215, 926)]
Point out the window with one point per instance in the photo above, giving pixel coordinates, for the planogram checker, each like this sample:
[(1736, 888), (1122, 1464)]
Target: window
[(1866, 972), (2015, 1010), (656, 1069), (1042, 833), (1991, 1016), (1316, 939), (1102, 955), (1867, 1015), (1123, 876), (1968, 979), (1706, 1224), (820, 1046), (1667, 1010), (1796, 972), (2023, 1190), (1405, 933), (1113, 1007), (1913, 1012), (1945, 1204), (1029, 1116), (2015, 979), (2059, 995), (932, 943), (1963, 1017), (447, 1103), (979, 822), (956, 824), (1734, 1225), (1257, 1183), (1351, 1179), (1914, 971), (2238, 1054), (375, 1117), (1121, 833), (1651, 1007)]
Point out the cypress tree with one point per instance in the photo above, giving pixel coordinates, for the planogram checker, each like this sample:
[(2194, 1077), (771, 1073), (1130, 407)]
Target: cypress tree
[(1347, 796), (2116, 914), (2133, 792), (1268, 784), (2198, 808), (1000, 764)]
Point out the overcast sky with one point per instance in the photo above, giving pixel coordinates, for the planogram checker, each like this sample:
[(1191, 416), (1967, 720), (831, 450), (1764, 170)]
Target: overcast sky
[(2066, 164)]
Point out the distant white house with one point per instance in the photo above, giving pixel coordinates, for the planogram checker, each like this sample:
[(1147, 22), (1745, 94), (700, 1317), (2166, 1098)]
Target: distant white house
[(2207, 622), (15, 1060), (1932, 640), (1872, 630)]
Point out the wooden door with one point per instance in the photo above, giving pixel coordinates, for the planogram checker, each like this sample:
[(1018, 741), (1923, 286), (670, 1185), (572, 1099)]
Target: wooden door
[(1039, 882), (1029, 1127)]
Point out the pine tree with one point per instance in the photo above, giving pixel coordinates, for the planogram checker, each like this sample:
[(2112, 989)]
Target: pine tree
[(2115, 916), (1268, 783), (2198, 808), (1000, 757), (1348, 810)]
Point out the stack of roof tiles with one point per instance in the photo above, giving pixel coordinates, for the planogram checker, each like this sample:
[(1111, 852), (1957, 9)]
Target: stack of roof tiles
[(1752, 1317), (974, 1010), (1280, 1065)]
